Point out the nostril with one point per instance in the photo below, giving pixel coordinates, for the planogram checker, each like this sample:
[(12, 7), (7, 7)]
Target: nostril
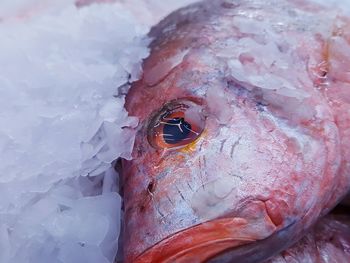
[(142, 208), (151, 187)]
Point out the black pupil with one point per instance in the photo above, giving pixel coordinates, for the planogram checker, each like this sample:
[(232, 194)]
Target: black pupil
[(176, 130)]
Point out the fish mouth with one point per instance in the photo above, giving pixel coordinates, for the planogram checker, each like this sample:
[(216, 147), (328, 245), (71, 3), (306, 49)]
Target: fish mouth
[(211, 241), (198, 243)]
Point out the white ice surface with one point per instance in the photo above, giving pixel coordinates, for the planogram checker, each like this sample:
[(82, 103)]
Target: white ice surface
[(61, 127)]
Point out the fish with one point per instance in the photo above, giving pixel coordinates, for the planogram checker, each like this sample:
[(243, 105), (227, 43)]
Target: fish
[(327, 241), (243, 140)]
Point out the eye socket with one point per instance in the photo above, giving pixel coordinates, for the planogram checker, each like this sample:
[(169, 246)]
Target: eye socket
[(176, 125)]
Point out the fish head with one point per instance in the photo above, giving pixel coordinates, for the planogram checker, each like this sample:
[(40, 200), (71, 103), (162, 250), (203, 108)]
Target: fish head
[(236, 146)]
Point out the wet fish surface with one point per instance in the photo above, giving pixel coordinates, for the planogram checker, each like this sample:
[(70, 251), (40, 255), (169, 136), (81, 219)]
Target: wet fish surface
[(244, 134), (328, 241)]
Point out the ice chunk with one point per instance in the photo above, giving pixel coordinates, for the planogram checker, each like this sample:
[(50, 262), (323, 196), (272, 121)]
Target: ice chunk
[(62, 128)]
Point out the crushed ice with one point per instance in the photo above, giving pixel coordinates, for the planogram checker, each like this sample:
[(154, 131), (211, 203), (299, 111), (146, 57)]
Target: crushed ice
[(62, 128)]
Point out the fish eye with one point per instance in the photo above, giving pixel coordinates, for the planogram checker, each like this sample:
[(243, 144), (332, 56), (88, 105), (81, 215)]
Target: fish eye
[(176, 125)]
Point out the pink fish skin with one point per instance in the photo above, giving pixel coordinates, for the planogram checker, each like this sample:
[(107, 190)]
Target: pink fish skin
[(327, 242), (244, 137)]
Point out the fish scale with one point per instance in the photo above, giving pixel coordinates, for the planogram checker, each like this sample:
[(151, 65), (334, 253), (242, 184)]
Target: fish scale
[(292, 157)]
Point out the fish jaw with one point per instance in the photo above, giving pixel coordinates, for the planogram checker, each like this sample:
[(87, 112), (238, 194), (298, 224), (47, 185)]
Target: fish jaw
[(224, 240), (202, 242)]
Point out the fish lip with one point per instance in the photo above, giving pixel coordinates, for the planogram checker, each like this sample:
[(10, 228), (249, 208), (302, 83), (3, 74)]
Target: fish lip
[(198, 243), (255, 252), (219, 250)]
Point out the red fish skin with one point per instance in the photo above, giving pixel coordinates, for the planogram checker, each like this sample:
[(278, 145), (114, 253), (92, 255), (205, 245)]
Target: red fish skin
[(337, 53), (271, 159), (326, 242)]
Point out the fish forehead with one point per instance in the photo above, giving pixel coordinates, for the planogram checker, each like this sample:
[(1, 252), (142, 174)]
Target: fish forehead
[(222, 51), (265, 44)]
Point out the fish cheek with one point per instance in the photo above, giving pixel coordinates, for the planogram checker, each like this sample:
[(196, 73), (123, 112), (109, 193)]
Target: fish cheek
[(242, 162), (211, 200)]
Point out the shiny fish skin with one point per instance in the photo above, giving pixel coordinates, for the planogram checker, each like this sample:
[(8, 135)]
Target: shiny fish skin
[(327, 242), (272, 79)]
